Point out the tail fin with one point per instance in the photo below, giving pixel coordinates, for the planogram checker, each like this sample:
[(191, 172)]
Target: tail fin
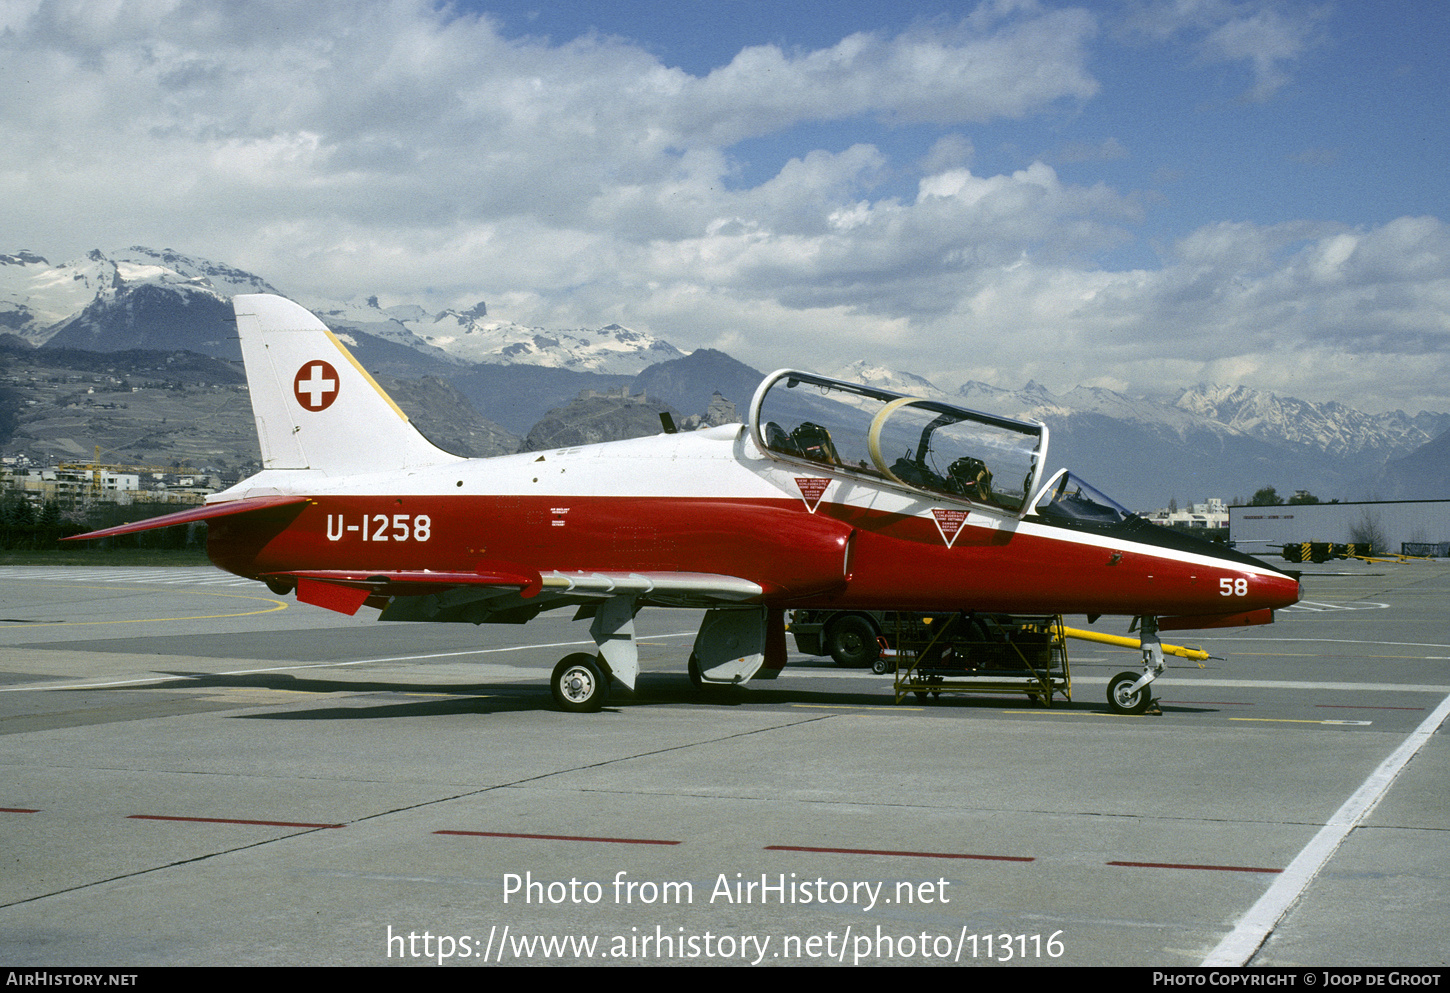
[(316, 407)]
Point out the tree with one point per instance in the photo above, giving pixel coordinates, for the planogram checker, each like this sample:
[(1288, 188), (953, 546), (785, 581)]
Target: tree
[(1369, 531), (1266, 497), (1302, 497)]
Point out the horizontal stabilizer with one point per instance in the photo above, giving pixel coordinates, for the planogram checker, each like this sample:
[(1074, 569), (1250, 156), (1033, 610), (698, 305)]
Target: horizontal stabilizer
[(206, 513)]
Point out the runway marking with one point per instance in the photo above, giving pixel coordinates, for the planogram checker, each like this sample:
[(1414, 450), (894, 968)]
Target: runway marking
[(160, 575), (280, 605), (149, 680), (1052, 711), (1253, 929), (1338, 641), (1315, 606), (227, 820), (1184, 865), (912, 855), (1290, 720), (559, 837)]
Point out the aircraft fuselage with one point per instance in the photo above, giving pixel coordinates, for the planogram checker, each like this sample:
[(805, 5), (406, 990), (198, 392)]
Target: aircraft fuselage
[(807, 536)]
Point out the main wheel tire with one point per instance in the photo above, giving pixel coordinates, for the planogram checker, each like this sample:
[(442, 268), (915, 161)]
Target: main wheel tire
[(1120, 701), (579, 684), (852, 642)]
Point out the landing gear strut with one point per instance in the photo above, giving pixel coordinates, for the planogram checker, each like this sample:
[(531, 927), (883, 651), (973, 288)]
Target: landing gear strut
[(1130, 693)]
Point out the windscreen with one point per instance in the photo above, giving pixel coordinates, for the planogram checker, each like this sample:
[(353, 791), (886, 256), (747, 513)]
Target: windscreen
[(1068, 498)]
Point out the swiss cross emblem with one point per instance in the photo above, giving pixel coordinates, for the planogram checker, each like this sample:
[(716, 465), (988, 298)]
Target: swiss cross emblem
[(315, 385), (812, 489), (949, 523)]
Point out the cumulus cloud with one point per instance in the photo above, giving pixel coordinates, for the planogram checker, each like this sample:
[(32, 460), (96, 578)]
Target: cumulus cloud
[(1268, 37)]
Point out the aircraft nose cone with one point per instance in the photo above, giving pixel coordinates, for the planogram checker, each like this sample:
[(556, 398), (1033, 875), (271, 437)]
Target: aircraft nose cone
[(1283, 591)]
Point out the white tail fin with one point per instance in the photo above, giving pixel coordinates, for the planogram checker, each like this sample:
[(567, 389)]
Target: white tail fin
[(316, 407)]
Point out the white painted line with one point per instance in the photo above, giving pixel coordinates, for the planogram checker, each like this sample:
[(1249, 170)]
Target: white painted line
[(151, 680), (1334, 641), (1253, 928)]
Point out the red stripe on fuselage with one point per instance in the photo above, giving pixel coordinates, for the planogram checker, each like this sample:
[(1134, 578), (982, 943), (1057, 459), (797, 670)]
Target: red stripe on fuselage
[(896, 561)]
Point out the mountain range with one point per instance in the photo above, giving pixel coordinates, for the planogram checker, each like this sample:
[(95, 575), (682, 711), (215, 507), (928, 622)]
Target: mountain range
[(1207, 440)]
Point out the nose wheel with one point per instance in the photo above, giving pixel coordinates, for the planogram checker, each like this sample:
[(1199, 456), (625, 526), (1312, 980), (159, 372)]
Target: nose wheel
[(580, 686), (1125, 696)]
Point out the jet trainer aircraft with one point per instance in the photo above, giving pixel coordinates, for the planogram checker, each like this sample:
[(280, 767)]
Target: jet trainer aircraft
[(833, 494)]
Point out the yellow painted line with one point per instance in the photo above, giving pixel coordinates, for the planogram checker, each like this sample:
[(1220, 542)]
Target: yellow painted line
[(280, 605)]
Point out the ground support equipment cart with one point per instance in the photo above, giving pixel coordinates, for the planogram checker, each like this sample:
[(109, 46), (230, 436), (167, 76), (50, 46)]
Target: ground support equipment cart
[(984, 653)]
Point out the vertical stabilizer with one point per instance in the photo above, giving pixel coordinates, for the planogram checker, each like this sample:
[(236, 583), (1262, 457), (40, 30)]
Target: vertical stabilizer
[(316, 407)]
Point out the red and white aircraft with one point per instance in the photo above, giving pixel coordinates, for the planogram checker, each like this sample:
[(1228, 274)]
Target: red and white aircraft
[(833, 495)]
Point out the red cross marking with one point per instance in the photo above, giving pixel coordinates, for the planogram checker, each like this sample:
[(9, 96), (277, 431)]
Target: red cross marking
[(315, 385)]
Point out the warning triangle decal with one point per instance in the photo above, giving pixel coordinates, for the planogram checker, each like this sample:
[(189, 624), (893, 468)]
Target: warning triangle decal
[(812, 489), (949, 523)]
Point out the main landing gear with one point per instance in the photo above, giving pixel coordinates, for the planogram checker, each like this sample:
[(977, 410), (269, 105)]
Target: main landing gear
[(1130, 693), (579, 684)]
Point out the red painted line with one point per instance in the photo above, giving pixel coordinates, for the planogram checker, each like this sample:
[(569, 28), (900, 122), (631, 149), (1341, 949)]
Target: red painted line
[(559, 837), (914, 855), (1181, 865), (227, 820), (1356, 706), (17, 810)]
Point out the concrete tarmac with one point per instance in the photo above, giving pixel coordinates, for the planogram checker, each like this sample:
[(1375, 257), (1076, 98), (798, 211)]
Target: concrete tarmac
[(197, 772)]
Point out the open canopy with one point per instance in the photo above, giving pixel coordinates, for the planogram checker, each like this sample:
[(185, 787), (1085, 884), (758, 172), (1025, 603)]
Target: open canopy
[(910, 442)]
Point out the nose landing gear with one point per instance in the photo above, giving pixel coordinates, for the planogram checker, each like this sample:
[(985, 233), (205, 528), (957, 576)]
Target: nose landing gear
[(1130, 693)]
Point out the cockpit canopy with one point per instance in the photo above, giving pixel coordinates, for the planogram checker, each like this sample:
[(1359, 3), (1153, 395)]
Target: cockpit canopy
[(911, 442), (1068, 499)]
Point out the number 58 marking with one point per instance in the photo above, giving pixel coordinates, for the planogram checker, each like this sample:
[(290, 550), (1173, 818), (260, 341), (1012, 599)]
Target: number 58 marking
[(1233, 587)]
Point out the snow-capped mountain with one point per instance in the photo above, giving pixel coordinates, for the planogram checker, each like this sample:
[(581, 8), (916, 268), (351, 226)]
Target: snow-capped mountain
[(1227, 441), (468, 337), (137, 298), (868, 373), (143, 298), (35, 295), (1330, 427), (611, 349)]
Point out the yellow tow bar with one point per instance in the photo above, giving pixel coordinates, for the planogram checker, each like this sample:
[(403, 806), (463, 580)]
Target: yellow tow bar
[(1122, 642)]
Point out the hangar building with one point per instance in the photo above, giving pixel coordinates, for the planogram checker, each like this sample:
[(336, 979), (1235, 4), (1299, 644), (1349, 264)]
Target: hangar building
[(1257, 530)]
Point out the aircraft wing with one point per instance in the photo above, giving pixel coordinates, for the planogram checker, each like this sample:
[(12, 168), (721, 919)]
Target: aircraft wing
[(204, 513), (505, 591)]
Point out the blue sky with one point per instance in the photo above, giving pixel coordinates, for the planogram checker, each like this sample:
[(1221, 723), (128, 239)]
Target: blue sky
[(1138, 195)]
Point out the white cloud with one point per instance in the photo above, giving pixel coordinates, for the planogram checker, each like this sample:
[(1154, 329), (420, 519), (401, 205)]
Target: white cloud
[(418, 154), (1269, 37)]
